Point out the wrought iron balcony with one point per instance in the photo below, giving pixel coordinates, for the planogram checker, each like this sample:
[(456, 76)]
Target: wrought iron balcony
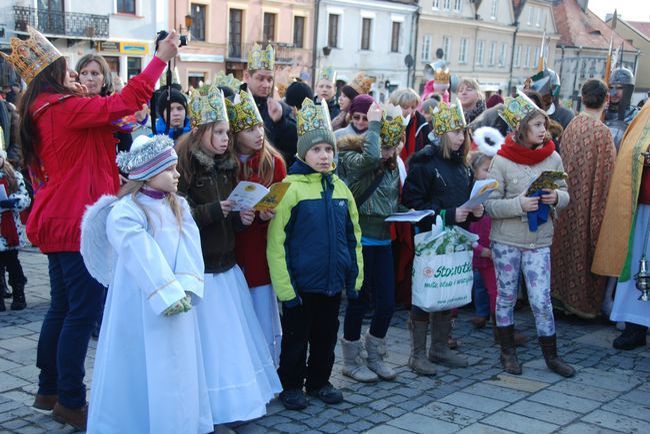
[(61, 23)]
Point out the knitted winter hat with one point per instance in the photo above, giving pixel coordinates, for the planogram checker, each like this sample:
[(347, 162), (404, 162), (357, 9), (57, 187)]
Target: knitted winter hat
[(361, 104), (314, 127), (148, 157), (176, 96), (296, 93)]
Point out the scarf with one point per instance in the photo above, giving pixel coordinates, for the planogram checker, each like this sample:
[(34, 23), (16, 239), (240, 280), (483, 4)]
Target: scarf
[(520, 154)]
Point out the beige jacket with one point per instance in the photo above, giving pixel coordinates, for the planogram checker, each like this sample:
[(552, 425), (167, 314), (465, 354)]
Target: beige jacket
[(509, 221)]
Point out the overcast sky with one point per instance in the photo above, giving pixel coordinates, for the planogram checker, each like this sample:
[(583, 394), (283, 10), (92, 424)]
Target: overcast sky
[(631, 10)]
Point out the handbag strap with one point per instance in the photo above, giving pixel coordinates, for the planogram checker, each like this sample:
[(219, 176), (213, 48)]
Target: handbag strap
[(370, 190)]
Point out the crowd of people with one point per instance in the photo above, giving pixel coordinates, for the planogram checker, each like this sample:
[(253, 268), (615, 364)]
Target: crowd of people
[(206, 309)]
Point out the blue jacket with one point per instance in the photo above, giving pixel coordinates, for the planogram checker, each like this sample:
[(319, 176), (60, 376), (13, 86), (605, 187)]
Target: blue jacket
[(314, 240)]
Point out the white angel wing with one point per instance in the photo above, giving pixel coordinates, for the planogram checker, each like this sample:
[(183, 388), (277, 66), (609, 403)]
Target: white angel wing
[(96, 250)]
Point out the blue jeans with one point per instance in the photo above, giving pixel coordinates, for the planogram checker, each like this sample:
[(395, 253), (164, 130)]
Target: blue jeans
[(378, 285), (75, 306), (481, 299)]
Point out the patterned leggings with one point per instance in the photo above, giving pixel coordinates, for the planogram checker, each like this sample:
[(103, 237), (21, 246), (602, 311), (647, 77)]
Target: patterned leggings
[(536, 266)]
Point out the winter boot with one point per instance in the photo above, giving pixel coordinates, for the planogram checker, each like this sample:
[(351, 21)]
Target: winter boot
[(553, 362), (508, 353), (418, 360), (632, 337), (376, 348), (439, 352), (353, 364), (520, 339), (18, 302)]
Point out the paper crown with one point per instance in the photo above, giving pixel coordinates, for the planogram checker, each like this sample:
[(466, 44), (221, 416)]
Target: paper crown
[(148, 157), (207, 104), (516, 109), (312, 117), (393, 126), (546, 82), (243, 112), (228, 81), (442, 75), (259, 59), (447, 117), (31, 56), (362, 83), (327, 73)]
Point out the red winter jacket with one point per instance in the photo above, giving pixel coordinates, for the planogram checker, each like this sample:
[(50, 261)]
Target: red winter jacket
[(76, 148), (250, 244)]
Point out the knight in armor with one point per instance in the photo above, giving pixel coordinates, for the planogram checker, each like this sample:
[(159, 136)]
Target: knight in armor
[(620, 111)]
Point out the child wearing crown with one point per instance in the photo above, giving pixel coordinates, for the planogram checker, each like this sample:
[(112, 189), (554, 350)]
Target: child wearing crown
[(314, 253), (522, 229), (240, 372), (144, 244), (439, 179)]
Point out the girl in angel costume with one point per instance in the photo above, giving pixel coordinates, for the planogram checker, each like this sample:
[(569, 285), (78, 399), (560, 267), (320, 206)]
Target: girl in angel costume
[(144, 244)]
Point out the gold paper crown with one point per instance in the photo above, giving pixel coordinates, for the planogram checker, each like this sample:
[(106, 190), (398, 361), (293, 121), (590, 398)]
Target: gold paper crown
[(442, 75), (362, 83), (327, 73), (259, 59), (313, 117), (516, 109), (207, 105), (228, 81), (447, 117), (31, 56), (392, 126), (243, 112)]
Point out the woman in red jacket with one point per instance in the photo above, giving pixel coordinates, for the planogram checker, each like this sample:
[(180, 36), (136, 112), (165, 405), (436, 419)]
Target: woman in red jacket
[(67, 141)]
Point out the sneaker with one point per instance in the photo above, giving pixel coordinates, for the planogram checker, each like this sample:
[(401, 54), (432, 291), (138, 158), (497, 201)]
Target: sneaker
[(328, 394), (293, 399)]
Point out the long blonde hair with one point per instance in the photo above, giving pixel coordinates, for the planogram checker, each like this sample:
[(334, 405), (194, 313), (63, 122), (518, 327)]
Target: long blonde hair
[(133, 187), (446, 148), (266, 168)]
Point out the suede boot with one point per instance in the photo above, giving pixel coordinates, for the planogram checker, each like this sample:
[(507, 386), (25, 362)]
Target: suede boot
[(75, 417), (553, 361), (508, 352), (376, 348), (353, 364), (418, 360), (520, 339), (439, 352)]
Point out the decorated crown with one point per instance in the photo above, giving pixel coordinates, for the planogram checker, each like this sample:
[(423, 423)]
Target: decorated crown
[(32, 55), (516, 109), (362, 83), (228, 81), (442, 75), (447, 117), (259, 59), (312, 117), (392, 126), (207, 105), (243, 112), (327, 73)]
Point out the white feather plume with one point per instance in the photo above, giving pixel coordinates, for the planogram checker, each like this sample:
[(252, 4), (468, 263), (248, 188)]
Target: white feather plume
[(488, 140)]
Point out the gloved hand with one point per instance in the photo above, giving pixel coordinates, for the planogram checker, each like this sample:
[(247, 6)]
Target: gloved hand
[(9, 203), (182, 305)]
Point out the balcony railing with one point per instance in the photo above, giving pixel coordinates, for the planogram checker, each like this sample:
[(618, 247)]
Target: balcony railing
[(61, 23), (284, 52)]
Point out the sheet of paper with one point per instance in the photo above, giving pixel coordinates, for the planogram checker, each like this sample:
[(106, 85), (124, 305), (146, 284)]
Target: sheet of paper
[(409, 216), (480, 192), (246, 195), (271, 200)]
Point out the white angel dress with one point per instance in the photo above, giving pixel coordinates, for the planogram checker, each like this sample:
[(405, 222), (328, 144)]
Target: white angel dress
[(148, 375)]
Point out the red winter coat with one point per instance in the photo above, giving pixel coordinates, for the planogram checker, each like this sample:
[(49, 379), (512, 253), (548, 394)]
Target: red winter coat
[(76, 149), (250, 244)]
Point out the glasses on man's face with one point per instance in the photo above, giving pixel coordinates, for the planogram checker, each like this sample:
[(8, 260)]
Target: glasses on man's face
[(360, 117)]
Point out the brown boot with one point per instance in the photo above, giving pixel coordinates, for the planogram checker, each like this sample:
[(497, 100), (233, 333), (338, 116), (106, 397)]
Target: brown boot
[(553, 362), (45, 402), (520, 339), (75, 417), (508, 352)]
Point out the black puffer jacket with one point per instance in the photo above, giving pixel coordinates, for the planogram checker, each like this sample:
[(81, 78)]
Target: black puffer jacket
[(436, 183)]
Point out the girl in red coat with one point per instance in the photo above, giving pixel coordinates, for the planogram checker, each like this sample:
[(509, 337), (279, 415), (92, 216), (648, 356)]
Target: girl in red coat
[(259, 162)]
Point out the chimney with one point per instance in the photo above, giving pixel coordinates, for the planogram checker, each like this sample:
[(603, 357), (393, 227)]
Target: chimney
[(583, 4)]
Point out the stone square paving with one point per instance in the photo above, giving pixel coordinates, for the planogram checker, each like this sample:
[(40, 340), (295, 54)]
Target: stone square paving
[(610, 392)]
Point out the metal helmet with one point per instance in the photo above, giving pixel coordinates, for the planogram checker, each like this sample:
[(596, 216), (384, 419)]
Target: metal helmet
[(546, 82), (622, 76)]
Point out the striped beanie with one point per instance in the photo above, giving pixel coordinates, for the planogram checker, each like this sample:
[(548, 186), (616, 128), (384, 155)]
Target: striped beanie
[(148, 157)]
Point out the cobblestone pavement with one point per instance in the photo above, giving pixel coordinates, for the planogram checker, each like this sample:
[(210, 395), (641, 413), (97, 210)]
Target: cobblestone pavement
[(610, 392)]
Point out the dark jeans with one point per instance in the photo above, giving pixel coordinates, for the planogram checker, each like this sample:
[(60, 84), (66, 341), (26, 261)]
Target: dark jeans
[(378, 286), (9, 260), (76, 302), (314, 323)]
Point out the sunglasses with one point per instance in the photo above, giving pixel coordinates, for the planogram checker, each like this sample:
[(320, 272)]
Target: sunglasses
[(360, 117)]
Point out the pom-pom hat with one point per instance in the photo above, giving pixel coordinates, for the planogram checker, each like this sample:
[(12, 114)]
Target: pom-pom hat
[(148, 157)]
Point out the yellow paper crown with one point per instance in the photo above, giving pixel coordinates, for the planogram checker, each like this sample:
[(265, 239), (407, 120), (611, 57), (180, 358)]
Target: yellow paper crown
[(228, 81), (516, 109), (243, 112), (207, 105), (259, 59), (327, 73), (312, 117), (362, 83), (442, 75), (447, 117), (31, 56), (392, 126)]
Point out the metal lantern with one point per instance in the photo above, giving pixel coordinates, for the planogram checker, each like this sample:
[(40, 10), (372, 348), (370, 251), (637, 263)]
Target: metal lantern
[(643, 279)]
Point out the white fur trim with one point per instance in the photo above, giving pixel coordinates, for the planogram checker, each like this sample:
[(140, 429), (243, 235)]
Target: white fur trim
[(485, 148), (96, 250)]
